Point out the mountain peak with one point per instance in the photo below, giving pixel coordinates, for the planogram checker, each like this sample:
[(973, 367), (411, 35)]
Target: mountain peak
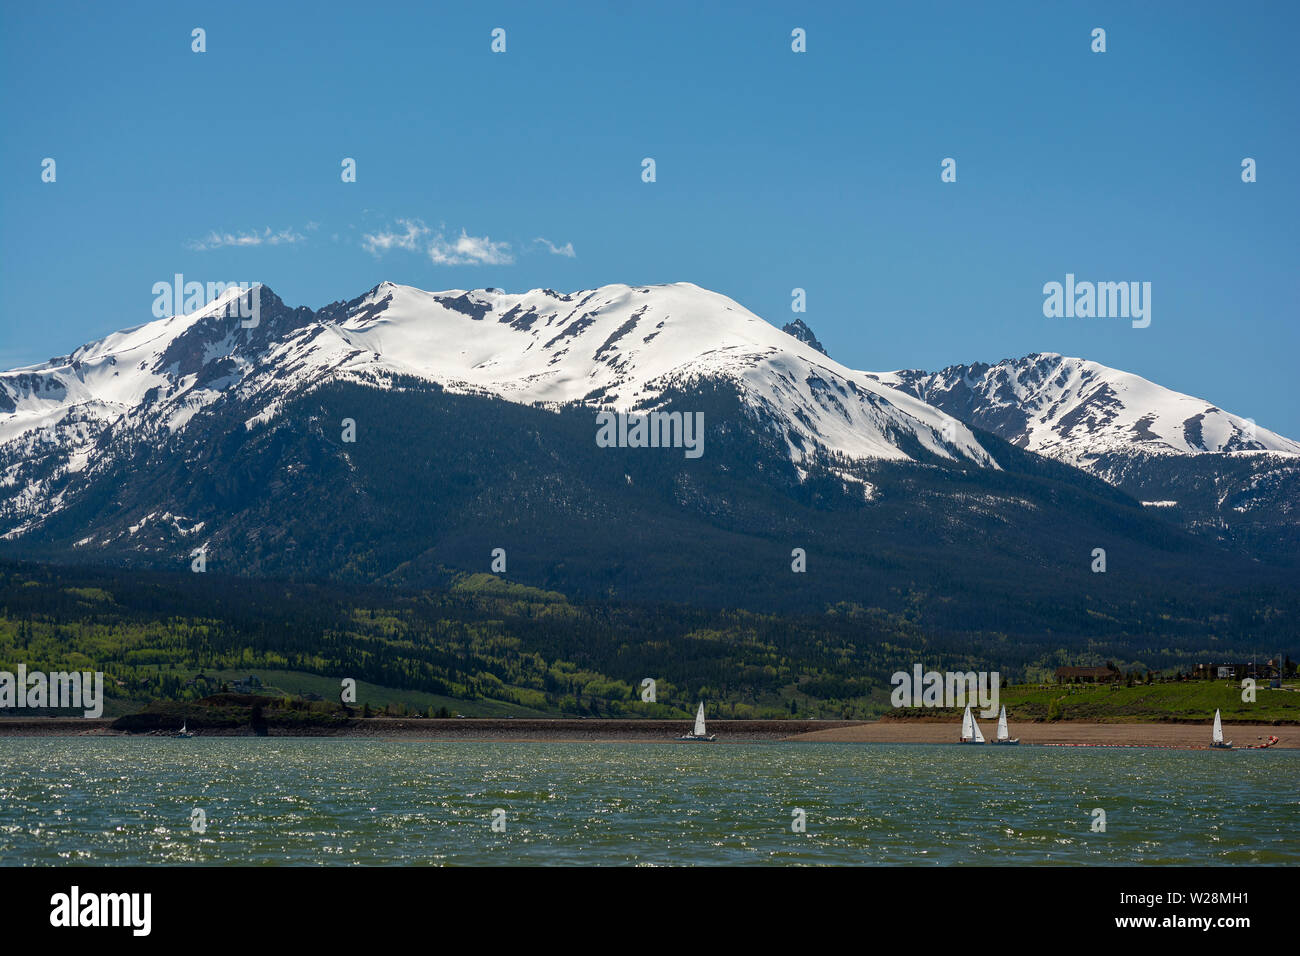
[(618, 347), (799, 329), (1078, 410)]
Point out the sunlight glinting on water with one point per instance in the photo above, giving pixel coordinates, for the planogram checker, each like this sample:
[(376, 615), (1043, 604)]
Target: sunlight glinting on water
[(311, 801)]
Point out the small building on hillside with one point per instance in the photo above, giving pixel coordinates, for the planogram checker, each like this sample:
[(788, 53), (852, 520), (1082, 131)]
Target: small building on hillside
[(1087, 675)]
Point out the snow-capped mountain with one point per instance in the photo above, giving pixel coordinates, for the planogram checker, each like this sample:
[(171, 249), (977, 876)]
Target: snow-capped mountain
[(1079, 411), (403, 435), (616, 347), (1211, 469)]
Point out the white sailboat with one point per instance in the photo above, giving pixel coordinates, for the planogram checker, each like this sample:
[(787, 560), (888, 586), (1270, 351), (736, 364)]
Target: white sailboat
[(699, 733), (184, 732), (1216, 740), (1004, 737), (970, 730)]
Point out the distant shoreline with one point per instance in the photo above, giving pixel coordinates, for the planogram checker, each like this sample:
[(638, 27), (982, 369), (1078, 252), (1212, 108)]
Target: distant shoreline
[(601, 730), (1064, 733), (470, 728)]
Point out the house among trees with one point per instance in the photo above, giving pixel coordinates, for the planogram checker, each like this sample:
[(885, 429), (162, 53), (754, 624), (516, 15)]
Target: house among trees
[(1088, 675), (1258, 669)]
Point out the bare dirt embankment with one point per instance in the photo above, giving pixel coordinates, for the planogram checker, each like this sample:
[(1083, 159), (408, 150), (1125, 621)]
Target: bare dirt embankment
[(55, 726)]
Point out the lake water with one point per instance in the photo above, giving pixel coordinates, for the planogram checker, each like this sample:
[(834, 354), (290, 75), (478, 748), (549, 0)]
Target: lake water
[(103, 801)]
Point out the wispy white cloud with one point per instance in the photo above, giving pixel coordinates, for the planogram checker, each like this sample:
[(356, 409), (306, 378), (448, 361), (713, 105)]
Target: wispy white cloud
[(217, 240), (564, 250), (380, 242), (470, 251), (413, 235)]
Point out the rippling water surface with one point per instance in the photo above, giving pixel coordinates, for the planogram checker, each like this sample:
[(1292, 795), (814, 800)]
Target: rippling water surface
[(338, 801)]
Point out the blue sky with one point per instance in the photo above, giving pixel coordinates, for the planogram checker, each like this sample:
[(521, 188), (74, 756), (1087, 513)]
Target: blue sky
[(775, 170)]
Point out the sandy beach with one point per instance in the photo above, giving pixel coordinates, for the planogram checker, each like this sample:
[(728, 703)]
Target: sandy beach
[(1059, 733)]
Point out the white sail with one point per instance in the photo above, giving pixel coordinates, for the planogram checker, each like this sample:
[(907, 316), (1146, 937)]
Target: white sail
[(1218, 728), (699, 722), (183, 726), (979, 737), (967, 724), (1002, 725)]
